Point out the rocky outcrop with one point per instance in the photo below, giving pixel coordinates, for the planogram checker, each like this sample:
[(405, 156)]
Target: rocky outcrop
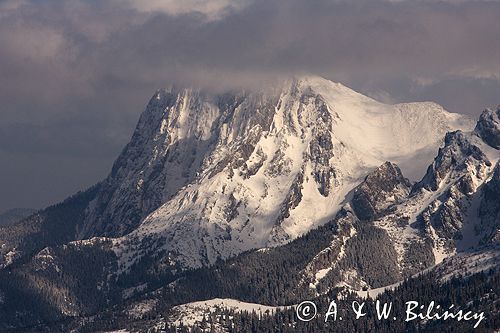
[(488, 127), (321, 147), (159, 159), (457, 172), (384, 187), (458, 154)]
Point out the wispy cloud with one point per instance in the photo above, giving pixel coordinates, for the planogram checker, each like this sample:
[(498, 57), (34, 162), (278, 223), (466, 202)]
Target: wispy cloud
[(212, 10)]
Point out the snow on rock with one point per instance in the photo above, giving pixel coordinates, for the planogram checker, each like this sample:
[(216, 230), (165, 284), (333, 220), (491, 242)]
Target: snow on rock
[(451, 209), (328, 258)]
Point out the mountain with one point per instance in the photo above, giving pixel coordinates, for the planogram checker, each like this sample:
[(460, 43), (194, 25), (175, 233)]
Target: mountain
[(274, 196), (219, 175)]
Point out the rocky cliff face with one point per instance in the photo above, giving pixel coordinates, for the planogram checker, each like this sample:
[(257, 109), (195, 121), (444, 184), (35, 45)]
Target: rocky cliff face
[(380, 190), (169, 149), (489, 211), (459, 154), (488, 127), (461, 174)]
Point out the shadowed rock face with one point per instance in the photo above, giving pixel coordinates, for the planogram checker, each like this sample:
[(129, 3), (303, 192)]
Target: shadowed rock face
[(457, 170), (488, 127), (382, 188), (489, 210), (321, 148)]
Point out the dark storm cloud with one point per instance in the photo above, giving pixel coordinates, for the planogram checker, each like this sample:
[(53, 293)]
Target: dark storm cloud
[(74, 75)]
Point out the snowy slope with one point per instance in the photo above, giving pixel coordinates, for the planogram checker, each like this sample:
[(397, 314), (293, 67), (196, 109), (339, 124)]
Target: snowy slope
[(191, 314), (274, 165)]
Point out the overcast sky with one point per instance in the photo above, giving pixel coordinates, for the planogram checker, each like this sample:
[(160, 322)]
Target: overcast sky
[(75, 74)]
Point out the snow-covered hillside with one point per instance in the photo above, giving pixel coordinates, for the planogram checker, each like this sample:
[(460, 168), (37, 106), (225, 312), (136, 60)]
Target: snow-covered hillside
[(193, 313)]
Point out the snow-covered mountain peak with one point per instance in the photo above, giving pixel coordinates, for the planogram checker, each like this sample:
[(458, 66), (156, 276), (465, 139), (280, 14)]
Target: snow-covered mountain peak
[(222, 173)]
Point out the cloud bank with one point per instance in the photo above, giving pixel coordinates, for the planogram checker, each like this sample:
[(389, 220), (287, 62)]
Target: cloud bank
[(75, 75)]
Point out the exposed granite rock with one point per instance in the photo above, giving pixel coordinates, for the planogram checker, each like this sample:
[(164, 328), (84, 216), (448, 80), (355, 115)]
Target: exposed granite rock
[(488, 127), (384, 187), (250, 169)]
